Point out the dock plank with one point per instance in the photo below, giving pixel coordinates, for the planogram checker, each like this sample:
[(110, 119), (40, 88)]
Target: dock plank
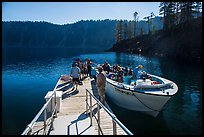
[(72, 119)]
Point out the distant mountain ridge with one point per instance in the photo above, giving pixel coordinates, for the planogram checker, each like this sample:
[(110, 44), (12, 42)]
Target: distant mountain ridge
[(90, 34), (42, 34)]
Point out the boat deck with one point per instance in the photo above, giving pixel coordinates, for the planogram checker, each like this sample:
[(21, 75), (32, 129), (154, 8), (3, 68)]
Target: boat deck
[(72, 118)]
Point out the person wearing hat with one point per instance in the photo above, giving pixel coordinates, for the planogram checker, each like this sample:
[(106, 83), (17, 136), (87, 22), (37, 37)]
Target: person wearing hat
[(100, 83), (136, 70)]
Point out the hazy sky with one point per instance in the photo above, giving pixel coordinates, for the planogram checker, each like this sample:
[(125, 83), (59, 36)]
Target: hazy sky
[(70, 12)]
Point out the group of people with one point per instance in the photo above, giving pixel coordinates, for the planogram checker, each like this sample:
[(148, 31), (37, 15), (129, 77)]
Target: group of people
[(80, 70), (121, 72)]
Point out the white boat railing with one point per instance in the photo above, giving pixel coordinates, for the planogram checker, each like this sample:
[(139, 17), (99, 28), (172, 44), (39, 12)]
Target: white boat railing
[(46, 121), (89, 107)]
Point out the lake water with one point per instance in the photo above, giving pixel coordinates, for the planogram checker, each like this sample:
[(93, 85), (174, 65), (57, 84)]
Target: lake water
[(27, 75)]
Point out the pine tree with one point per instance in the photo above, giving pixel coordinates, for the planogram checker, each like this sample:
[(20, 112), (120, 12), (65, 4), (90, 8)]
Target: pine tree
[(151, 23), (141, 31), (168, 9), (198, 7), (186, 11), (154, 29), (130, 30), (118, 33), (163, 11), (148, 22), (135, 23), (125, 31), (177, 8)]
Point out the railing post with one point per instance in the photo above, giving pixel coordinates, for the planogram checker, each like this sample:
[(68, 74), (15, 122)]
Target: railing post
[(114, 128), (52, 120), (45, 118), (52, 127), (98, 110), (55, 104), (51, 102), (114, 119), (91, 109), (86, 102), (52, 109), (30, 129), (29, 132)]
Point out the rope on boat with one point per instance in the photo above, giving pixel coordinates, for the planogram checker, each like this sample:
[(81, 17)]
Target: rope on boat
[(145, 104), (139, 99)]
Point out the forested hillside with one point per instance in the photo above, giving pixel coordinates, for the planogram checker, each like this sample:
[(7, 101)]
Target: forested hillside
[(180, 38), (91, 34), (83, 34), (182, 43)]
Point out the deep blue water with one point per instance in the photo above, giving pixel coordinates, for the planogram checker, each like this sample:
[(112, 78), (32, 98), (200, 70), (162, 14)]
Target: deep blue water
[(28, 74)]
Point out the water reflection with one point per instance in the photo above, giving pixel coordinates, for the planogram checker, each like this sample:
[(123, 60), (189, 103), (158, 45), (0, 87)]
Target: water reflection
[(185, 107), (28, 75), (14, 55), (182, 111)]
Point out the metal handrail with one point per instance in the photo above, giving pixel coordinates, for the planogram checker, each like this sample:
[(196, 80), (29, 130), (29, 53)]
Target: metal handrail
[(114, 118), (30, 126), (32, 123)]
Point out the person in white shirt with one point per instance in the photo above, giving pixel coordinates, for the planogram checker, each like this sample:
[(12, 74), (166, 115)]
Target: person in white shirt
[(75, 74)]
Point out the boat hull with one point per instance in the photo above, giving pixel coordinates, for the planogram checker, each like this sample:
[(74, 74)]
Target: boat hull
[(145, 96), (137, 101)]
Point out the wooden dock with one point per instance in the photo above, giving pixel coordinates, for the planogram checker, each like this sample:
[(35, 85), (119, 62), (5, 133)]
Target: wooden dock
[(72, 118)]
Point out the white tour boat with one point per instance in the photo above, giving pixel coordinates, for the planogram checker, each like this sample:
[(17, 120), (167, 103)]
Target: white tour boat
[(147, 96)]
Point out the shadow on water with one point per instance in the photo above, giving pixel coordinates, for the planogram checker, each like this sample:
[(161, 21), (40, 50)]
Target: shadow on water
[(139, 123)]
